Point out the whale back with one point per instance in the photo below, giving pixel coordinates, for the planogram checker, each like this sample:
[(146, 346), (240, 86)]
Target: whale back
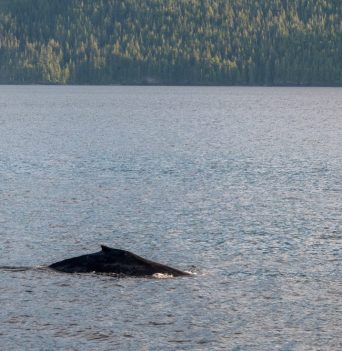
[(114, 261)]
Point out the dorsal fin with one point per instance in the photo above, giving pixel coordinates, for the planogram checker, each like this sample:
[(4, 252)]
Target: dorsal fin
[(105, 248)]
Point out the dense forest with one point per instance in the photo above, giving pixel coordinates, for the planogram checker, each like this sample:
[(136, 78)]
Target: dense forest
[(228, 42)]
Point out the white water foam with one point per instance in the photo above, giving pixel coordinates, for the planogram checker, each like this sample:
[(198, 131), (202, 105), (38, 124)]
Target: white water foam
[(162, 276)]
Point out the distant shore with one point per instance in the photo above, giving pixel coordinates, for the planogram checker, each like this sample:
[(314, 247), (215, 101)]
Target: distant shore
[(285, 85)]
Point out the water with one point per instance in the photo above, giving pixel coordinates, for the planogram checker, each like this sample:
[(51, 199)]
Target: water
[(241, 185)]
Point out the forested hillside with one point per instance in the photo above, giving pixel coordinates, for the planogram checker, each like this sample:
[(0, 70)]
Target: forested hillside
[(264, 42)]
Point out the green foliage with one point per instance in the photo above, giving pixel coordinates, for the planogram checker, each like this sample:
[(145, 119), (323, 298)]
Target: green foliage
[(265, 42)]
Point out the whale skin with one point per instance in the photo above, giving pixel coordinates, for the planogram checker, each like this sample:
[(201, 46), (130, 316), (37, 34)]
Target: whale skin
[(115, 261)]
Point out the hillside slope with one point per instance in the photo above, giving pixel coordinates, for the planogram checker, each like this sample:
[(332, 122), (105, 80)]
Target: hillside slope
[(265, 42)]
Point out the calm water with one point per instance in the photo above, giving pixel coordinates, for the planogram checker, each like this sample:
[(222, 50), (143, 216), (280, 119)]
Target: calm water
[(241, 185)]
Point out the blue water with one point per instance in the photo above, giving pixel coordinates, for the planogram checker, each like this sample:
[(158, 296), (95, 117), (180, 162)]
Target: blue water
[(242, 186)]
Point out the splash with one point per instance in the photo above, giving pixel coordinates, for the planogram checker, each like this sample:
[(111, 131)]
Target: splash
[(162, 276)]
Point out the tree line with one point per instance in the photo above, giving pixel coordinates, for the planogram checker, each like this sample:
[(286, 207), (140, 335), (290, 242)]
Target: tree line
[(223, 42)]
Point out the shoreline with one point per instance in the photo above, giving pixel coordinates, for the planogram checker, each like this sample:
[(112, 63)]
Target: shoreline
[(176, 85)]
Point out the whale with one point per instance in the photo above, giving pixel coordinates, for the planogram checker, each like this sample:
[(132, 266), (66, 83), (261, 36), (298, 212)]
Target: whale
[(115, 261)]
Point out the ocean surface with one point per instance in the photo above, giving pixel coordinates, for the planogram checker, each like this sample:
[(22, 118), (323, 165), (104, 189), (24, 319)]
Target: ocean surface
[(241, 186)]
